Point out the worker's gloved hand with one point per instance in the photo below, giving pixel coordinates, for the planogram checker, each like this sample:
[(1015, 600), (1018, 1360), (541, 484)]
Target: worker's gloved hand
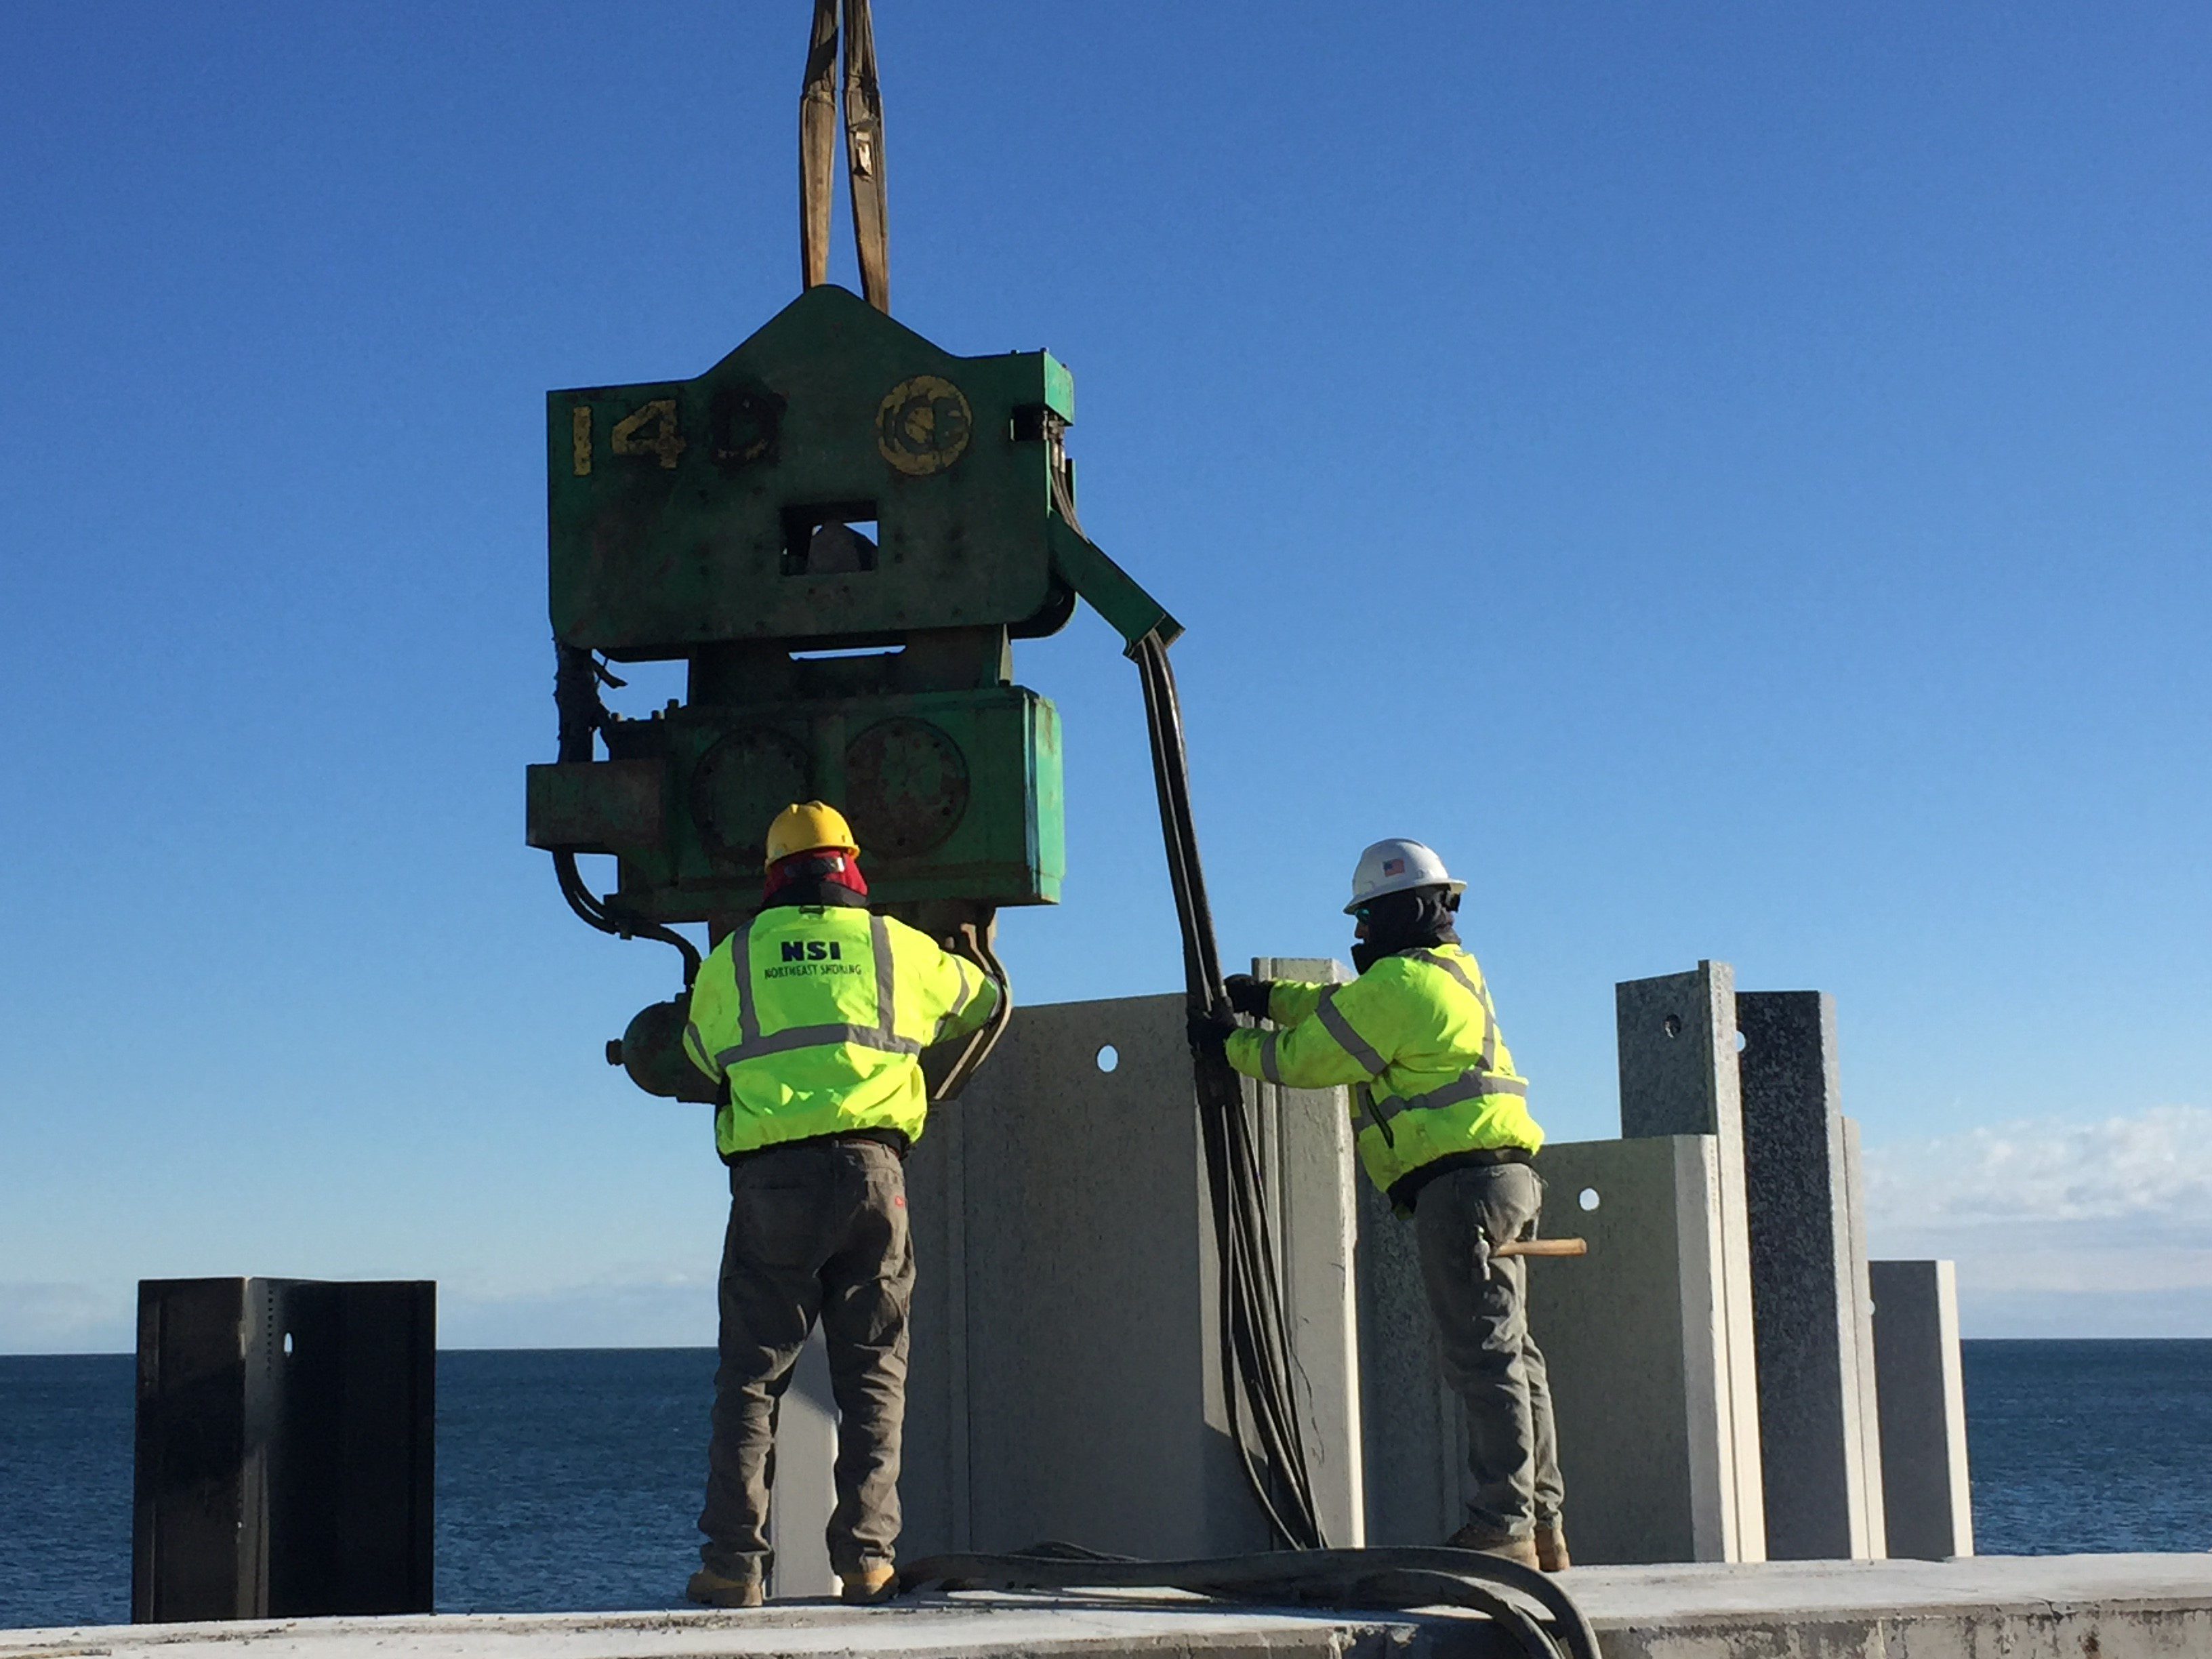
[(1209, 1032), (1247, 995)]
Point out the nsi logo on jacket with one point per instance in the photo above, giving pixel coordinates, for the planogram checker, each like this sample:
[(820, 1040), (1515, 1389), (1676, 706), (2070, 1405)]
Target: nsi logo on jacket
[(813, 950)]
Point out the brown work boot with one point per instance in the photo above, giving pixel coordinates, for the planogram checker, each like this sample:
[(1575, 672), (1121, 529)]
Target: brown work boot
[(1488, 1541), (1551, 1545), (874, 1583), (710, 1589)]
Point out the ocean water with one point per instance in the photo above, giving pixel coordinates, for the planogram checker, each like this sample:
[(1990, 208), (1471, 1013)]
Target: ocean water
[(570, 1479), (2089, 1448)]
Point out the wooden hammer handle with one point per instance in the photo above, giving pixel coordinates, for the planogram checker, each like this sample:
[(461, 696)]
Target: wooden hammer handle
[(1543, 1247)]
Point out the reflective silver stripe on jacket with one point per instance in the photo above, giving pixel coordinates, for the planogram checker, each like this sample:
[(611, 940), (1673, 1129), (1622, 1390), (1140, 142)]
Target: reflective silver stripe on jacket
[(741, 968), (883, 1036), (1351, 1043), (696, 1044), (1471, 1085), (1480, 993), (952, 1016), (1467, 1085), (880, 944), (1271, 1069), (813, 1036)]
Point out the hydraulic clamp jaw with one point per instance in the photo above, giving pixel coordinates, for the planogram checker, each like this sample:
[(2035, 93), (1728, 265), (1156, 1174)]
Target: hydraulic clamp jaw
[(835, 484)]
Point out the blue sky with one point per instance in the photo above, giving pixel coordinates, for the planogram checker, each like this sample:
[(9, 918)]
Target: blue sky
[(1732, 477)]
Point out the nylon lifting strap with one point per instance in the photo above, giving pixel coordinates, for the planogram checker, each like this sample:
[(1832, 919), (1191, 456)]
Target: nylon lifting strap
[(864, 150)]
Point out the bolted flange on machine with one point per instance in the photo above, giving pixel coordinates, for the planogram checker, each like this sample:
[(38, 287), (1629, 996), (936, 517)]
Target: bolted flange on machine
[(836, 484)]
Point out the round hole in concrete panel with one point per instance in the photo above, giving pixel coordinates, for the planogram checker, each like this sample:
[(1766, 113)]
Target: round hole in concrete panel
[(1739, 1042), (1672, 1025), (1588, 1198), (287, 1342), (1108, 1058)]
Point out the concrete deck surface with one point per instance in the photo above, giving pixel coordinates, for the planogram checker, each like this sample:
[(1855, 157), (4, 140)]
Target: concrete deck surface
[(2052, 1606), (2080, 1606)]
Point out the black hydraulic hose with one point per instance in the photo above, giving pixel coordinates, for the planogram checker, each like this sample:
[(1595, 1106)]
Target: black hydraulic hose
[(1259, 1371), (1253, 1324), (1264, 1332), (1237, 1366), (577, 676), (1399, 1579)]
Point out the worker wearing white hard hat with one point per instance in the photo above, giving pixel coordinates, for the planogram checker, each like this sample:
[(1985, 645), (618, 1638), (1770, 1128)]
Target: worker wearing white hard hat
[(1441, 1120), (1398, 867)]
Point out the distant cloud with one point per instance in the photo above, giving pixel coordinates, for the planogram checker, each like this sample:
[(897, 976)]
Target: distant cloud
[(2060, 1226), (2154, 1166), (50, 1318)]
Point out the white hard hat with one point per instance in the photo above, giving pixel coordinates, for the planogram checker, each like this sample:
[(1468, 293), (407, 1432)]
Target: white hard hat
[(1392, 867)]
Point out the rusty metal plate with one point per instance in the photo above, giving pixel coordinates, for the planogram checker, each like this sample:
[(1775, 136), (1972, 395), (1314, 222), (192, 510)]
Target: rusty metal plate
[(907, 784), (596, 807), (738, 787)]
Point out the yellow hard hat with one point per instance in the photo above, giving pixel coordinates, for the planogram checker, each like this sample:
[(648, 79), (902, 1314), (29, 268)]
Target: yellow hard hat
[(808, 826)]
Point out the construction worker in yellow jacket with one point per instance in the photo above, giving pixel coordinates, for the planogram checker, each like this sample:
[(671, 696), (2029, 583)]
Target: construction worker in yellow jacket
[(1441, 1120), (810, 1020)]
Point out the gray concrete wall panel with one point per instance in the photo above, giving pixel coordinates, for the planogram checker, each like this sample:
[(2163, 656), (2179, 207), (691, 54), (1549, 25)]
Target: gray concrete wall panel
[(1677, 1052), (1924, 1409), (1065, 1379), (934, 1489), (1869, 1411), (1084, 1307), (804, 1493), (1805, 1301), (1306, 1145), (1412, 1428), (1636, 1343), (1679, 1076)]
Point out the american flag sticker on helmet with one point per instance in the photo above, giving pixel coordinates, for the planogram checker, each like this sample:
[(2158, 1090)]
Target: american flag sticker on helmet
[(1393, 867)]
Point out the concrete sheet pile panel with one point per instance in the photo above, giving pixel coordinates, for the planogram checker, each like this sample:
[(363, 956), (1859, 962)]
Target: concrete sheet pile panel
[(1869, 1411), (1636, 1342), (1311, 1165), (805, 1492), (1822, 1495), (1412, 1428), (1924, 1409), (1677, 1036), (1064, 1376)]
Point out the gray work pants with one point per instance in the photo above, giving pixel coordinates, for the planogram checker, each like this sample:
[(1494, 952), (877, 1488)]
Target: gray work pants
[(1480, 1305), (816, 1230)]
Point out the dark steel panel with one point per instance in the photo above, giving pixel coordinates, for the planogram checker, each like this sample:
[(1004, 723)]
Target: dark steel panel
[(285, 1449), (196, 1534)]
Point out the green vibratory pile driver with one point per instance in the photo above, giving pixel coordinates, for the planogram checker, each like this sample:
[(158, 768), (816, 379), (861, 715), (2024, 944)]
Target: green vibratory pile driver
[(836, 483)]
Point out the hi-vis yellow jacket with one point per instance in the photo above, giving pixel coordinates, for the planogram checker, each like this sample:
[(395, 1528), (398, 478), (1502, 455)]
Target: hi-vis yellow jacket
[(1417, 1038), (814, 1019)]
